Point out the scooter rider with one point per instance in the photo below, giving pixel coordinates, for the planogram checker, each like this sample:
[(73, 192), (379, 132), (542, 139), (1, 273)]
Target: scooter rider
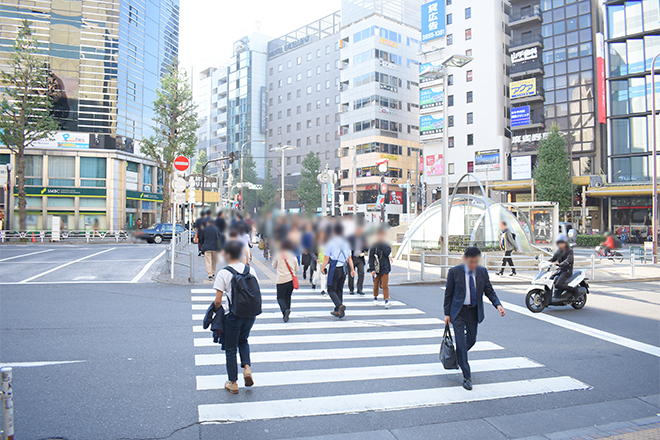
[(563, 258)]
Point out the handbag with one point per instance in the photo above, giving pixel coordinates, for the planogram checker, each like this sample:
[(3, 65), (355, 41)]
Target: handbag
[(294, 278), (448, 352), (262, 245)]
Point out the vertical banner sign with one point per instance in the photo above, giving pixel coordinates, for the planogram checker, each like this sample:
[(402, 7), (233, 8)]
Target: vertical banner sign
[(421, 164), (433, 20), (600, 72), (263, 109)]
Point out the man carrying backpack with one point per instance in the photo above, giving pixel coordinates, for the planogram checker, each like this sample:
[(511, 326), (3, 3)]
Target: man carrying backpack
[(238, 286)]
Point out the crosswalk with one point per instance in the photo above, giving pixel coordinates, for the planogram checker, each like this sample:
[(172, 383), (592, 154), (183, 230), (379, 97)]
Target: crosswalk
[(375, 359)]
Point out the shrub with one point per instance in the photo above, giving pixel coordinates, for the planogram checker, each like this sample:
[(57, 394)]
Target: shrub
[(590, 240)]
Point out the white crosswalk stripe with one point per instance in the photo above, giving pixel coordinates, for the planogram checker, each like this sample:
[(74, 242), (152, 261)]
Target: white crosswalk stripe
[(374, 346)]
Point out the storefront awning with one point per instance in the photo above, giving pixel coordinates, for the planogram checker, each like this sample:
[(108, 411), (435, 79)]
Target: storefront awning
[(620, 190), (522, 185)]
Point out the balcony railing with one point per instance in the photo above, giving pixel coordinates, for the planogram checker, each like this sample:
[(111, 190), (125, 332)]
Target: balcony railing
[(534, 13), (537, 118), (527, 66), (524, 40)]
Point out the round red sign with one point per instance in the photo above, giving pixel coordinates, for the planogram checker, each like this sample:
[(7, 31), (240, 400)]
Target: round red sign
[(383, 188), (181, 163)]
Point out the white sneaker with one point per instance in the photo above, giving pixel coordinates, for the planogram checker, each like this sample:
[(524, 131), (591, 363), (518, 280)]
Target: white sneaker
[(375, 301), (388, 304)]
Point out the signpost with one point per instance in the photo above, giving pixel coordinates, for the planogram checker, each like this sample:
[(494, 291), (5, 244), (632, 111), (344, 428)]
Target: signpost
[(178, 197)]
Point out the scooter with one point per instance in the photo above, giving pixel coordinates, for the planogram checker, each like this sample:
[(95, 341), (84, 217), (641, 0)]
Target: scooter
[(541, 293)]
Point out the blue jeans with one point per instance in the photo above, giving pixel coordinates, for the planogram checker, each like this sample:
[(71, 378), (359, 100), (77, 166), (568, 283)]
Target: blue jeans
[(237, 331)]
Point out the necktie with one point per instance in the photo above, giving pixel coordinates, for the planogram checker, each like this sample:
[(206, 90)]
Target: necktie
[(473, 290)]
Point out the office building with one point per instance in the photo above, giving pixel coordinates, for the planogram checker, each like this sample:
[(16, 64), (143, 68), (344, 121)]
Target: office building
[(379, 104), (465, 43), (105, 60), (632, 41), (303, 97), (246, 101)]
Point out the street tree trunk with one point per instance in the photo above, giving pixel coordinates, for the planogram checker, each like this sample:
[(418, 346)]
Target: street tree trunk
[(20, 184), (165, 211)]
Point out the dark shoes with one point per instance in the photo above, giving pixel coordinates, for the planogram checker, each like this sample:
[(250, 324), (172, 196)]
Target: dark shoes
[(304, 276), (467, 384), (335, 313), (360, 293), (512, 274), (500, 273), (351, 292), (342, 311), (285, 315)]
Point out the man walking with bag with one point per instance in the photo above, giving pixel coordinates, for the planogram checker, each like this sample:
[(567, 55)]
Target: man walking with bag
[(508, 245), (238, 286), (464, 306), (337, 262), (209, 237), (359, 248)]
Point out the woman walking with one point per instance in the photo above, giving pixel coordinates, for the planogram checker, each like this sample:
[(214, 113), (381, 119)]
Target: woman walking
[(380, 260), (286, 264)]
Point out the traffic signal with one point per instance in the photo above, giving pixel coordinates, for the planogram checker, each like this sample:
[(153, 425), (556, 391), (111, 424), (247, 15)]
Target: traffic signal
[(232, 157)]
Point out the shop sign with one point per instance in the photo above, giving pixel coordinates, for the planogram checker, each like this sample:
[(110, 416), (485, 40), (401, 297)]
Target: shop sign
[(389, 156), (522, 88), (387, 110), (396, 197), (524, 55), (527, 138), (62, 192), (64, 139), (388, 88), (388, 42), (520, 116), (488, 160), (388, 65), (137, 195), (521, 167), (433, 20)]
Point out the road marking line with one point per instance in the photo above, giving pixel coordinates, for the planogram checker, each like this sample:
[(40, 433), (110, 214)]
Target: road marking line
[(296, 305), (146, 267), (383, 401), (589, 331), (64, 282), (324, 313), (330, 375), (338, 353), (318, 297), (26, 255), (268, 290), (63, 266), (377, 323), (333, 337), (36, 364)]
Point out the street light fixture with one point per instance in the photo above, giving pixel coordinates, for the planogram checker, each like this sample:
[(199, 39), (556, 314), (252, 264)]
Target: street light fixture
[(283, 148)]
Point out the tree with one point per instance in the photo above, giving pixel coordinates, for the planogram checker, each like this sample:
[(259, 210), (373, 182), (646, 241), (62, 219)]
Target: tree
[(176, 127), (25, 109), (201, 160), (309, 189), (552, 176), (268, 194), (250, 197)]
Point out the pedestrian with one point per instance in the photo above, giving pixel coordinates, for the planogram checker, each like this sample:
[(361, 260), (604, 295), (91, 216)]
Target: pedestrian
[(318, 277), (359, 248), (235, 235), (466, 285), (199, 224), (210, 240), (380, 259), (241, 308), (306, 245), (337, 263), (286, 265), (508, 244), (221, 224)]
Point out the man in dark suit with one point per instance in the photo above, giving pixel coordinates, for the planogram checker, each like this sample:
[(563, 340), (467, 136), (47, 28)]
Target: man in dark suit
[(464, 305)]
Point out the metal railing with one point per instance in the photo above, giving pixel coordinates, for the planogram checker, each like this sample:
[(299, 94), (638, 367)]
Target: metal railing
[(526, 39), (174, 250), (38, 236)]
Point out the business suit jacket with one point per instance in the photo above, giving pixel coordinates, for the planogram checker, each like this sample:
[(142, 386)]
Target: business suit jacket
[(455, 291)]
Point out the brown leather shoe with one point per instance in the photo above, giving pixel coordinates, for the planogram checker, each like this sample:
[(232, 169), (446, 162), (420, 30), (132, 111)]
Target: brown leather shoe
[(232, 387), (247, 375)]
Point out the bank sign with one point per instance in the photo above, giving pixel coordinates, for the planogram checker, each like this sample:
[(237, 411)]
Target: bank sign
[(433, 20)]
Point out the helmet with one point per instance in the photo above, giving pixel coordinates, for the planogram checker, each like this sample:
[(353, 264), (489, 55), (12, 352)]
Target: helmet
[(563, 238)]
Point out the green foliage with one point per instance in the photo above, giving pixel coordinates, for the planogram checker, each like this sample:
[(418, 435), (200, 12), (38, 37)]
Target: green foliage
[(309, 189), (26, 105), (176, 127), (250, 197), (589, 240), (552, 176), (268, 194), (199, 163)]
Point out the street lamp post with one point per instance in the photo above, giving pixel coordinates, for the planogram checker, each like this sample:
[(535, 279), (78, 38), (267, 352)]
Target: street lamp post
[(241, 151), (283, 149), (654, 156)]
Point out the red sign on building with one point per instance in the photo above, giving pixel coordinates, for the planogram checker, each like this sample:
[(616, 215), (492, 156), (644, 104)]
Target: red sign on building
[(600, 73)]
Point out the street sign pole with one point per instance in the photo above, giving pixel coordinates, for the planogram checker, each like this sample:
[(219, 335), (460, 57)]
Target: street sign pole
[(173, 253)]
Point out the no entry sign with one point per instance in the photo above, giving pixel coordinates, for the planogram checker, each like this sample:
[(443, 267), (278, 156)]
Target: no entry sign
[(181, 163)]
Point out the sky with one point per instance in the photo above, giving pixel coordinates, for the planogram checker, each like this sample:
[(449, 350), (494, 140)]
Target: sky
[(208, 28)]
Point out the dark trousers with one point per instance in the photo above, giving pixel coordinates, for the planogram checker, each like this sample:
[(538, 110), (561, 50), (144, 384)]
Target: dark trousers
[(335, 289), (358, 263), (465, 333), (508, 261), (237, 331), (284, 292), (561, 284)]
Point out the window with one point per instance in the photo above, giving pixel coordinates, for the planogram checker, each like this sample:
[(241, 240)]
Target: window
[(279, 114), (327, 101), (288, 80), (298, 93), (298, 126), (450, 168), (468, 52), (470, 139), (309, 140), (270, 71), (327, 84), (298, 142), (279, 67), (288, 98), (469, 97), (318, 70), (309, 123), (309, 73), (309, 90), (448, 2), (298, 110), (288, 128), (327, 50), (450, 101), (450, 39), (327, 67), (450, 121), (288, 64), (450, 80), (318, 105), (288, 160), (34, 171), (449, 19), (470, 118), (299, 61), (318, 122), (327, 137), (309, 106), (327, 119), (468, 13), (92, 172), (318, 87), (309, 56), (468, 76), (318, 138), (318, 53), (61, 171), (468, 34), (279, 130), (298, 76), (450, 143)]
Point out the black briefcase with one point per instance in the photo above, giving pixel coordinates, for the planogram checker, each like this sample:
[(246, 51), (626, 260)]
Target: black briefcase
[(448, 352)]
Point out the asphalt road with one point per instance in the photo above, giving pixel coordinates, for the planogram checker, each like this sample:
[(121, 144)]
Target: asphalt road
[(101, 352)]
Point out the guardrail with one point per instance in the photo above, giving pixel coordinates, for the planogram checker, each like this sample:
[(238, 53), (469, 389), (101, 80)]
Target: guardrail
[(41, 236), (175, 249)]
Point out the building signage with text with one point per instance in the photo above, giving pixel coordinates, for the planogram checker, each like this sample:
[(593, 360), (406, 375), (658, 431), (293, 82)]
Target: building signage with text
[(431, 127), (62, 192), (524, 55), (520, 116), (263, 110), (522, 88), (431, 98), (287, 47), (64, 139), (488, 160), (433, 20), (600, 72), (521, 167)]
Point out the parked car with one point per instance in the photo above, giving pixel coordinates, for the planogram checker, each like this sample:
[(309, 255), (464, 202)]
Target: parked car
[(159, 232), (568, 229)]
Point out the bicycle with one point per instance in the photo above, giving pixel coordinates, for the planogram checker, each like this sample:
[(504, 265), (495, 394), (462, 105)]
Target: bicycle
[(612, 254)]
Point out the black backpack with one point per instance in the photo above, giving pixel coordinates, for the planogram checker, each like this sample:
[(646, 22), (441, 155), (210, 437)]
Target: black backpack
[(245, 299)]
